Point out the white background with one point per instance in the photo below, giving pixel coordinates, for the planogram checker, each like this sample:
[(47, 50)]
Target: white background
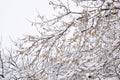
[(13, 14)]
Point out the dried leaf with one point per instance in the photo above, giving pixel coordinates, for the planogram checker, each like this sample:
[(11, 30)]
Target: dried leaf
[(93, 32)]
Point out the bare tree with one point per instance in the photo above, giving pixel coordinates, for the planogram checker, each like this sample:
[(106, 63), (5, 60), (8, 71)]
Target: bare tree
[(81, 43), (1, 62)]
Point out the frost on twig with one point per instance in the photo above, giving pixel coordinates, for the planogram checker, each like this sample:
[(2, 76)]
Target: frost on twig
[(80, 44)]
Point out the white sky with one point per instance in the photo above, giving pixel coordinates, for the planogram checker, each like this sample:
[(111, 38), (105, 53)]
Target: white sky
[(13, 14)]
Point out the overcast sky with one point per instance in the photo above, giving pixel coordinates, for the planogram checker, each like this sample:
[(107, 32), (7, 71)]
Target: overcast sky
[(13, 14)]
